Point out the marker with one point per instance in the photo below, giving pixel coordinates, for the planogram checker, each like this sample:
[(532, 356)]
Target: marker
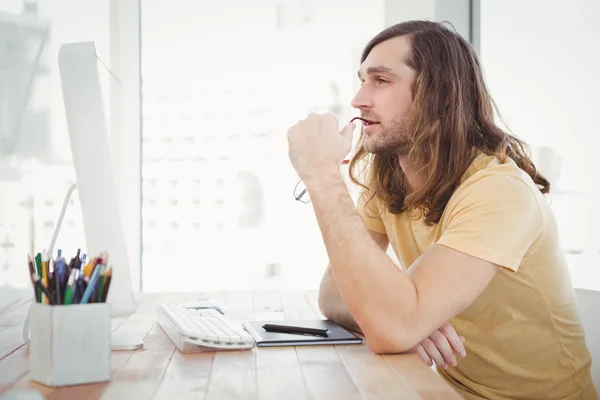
[(38, 268)]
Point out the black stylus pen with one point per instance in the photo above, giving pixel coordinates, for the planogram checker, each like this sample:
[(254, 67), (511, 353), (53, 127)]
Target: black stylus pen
[(299, 330)]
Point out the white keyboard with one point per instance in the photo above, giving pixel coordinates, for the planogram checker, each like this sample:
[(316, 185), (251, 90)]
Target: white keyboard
[(202, 330)]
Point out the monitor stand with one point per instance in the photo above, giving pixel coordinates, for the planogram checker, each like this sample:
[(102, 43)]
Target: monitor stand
[(126, 341)]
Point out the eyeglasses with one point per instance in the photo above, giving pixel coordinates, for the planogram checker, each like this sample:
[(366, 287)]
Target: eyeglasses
[(300, 192)]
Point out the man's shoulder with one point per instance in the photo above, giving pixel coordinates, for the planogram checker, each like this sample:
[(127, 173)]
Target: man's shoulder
[(498, 188), (496, 177)]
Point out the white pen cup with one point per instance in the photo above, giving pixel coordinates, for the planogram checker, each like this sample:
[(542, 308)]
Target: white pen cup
[(70, 344)]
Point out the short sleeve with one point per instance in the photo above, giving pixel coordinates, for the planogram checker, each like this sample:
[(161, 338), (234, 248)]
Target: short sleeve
[(496, 218), (370, 213)]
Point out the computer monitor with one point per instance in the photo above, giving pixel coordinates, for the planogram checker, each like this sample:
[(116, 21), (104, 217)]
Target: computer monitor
[(94, 181), (94, 173)]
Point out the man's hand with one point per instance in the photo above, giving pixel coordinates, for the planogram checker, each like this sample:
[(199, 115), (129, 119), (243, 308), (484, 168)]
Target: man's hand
[(315, 142), (441, 347)]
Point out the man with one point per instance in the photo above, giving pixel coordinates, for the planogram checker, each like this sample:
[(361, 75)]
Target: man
[(462, 206)]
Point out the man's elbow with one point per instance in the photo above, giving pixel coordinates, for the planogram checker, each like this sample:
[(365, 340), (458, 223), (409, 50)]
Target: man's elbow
[(390, 343), (324, 304)]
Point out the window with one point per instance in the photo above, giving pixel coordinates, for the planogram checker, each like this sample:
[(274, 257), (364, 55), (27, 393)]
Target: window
[(543, 75), (35, 156), (219, 93)]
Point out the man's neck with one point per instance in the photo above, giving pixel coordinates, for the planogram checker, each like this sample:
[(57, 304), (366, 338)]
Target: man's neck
[(411, 171)]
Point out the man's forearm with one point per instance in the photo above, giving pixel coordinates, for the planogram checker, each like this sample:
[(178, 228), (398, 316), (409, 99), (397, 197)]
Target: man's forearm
[(332, 304), (380, 296)]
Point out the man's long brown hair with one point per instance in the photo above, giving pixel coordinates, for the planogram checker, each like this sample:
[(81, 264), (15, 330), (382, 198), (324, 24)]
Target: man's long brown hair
[(451, 120)]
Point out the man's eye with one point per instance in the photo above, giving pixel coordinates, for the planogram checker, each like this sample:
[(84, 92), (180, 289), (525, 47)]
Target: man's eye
[(382, 81)]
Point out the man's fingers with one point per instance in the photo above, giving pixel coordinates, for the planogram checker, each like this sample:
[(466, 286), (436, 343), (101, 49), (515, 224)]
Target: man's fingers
[(420, 351), (348, 131), (433, 352), (455, 341), (329, 122), (442, 344), (347, 134)]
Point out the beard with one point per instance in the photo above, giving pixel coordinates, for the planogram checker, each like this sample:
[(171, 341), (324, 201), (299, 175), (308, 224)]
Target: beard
[(390, 138)]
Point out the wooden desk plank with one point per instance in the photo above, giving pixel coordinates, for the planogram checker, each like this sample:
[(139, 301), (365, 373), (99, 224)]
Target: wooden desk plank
[(233, 374), (296, 306), (136, 374), (325, 375), (140, 376), (424, 381), (279, 375), (239, 305), (11, 326), (14, 358), (278, 371), (372, 375), (11, 296), (187, 375), (267, 306), (13, 367), (91, 391), (324, 372)]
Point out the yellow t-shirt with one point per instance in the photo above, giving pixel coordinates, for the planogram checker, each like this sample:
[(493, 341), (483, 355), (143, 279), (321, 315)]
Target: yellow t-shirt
[(524, 338)]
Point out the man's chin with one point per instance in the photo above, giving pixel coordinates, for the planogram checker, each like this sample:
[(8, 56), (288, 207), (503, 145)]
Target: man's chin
[(373, 147)]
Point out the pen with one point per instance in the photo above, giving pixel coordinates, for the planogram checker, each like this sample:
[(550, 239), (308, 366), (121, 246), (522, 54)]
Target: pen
[(57, 288), (69, 289), (32, 273), (63, 278), (91, 284), (75, 262), (80, 286), (37, 282), (299, 330)]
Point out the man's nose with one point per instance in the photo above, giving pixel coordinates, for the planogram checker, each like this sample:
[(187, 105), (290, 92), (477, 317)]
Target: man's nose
[(362, 99)]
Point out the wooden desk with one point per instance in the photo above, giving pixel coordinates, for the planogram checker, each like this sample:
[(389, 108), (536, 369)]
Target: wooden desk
[(160, 372)]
